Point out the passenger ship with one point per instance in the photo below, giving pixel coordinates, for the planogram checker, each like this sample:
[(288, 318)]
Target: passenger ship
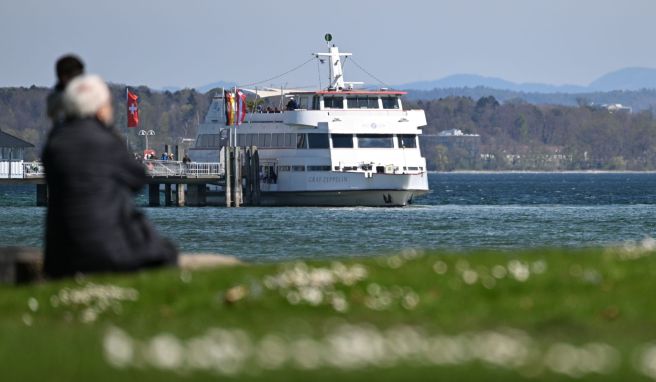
[(337, 147)]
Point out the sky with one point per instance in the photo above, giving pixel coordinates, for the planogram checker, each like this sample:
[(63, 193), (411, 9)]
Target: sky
[(161, 43)]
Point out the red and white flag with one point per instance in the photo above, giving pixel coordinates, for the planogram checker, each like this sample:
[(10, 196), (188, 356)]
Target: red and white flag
[(133, 110)]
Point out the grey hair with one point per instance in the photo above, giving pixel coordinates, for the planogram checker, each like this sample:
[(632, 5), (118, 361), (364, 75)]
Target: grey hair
[(85, 95)]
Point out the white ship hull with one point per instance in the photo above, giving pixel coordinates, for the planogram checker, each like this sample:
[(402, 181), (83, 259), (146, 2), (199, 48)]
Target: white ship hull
[(360, 198), (347, 198)]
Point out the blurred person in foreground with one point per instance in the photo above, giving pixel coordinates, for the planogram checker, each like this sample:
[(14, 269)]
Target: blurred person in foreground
[(92, 224), (66, 68)]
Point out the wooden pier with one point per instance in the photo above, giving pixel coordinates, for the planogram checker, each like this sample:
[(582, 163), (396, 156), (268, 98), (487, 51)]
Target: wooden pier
[(184, 184)]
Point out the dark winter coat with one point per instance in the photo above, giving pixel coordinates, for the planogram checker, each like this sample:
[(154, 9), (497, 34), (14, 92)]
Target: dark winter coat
[(92, 224)]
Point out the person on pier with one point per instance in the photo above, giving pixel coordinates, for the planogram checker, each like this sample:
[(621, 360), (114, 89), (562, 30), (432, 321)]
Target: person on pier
[(92, 223)]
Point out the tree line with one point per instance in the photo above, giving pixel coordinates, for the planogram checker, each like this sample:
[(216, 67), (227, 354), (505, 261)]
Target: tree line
[(522, 136), (513, 134), (171, 115)]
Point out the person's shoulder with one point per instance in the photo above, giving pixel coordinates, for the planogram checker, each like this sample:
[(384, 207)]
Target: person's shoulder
[(86, 130)]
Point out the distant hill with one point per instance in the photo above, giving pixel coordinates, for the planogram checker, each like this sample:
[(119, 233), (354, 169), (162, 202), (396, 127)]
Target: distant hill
[(626, 79), (638, 100), (474, 80), (623, 79), (214, 85)]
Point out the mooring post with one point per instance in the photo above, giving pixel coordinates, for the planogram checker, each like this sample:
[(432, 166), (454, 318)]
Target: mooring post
[(202, 195), (153, 195), (42, 195), (248, 189), (167, 195), (256, 176), (180, 190), (228, 172), (237, 181)]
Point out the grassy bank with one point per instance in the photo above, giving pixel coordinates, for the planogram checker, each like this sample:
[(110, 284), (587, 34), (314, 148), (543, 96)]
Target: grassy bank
[(540, 314)]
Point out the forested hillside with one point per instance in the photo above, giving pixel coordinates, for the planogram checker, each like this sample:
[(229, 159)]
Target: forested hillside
[(171, 115), (513, 134), (522, 136)]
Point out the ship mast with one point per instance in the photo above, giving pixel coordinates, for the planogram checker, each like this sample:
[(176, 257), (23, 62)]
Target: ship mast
[(336, 67)]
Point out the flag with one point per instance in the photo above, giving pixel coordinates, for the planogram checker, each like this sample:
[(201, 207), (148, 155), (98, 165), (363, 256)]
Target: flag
[(230, 108), (241, 107), (133, 110)]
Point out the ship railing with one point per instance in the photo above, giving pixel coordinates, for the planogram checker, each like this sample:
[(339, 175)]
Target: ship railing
[(167, 168)]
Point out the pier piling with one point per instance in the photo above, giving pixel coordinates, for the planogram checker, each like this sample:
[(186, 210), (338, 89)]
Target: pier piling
[(153, 194), (42, 195), (180, 191), (255, 175), (168, 200), (237, 179), (228, 176)]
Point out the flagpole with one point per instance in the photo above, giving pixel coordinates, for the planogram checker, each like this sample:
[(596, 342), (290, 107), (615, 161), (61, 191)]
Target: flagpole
[(234, 133), (127, 128)]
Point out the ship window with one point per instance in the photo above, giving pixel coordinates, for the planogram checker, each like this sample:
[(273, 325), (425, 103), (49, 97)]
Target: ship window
[(342, 141), (300, 141), (372, 102), (409, 141), (362, 102), (333, 102), (318, 168), (318, 141), (315, 103), (209, 140), (265, 140), (298, 168), (278, 140), (303, 103), (290, 141), (241, 139), (252, 139), (377, 141), (390, 103), (284, 168)]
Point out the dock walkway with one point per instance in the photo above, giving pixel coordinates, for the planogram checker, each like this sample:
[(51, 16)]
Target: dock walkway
[(175, 176)]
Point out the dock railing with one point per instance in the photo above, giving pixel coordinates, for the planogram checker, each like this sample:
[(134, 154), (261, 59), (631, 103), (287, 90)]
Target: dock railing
[(33, 170), (167, 168), (154, 168)]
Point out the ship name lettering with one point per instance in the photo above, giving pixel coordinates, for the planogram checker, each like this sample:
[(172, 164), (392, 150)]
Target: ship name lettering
[(327, 179)]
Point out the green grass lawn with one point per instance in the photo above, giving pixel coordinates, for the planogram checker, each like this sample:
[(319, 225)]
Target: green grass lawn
[(538, 314)]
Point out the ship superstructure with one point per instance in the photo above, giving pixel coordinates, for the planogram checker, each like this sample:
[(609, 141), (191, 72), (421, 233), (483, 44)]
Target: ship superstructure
[(338, 146)]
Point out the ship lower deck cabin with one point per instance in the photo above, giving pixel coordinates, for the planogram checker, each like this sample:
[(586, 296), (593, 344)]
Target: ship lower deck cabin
[(311, 141)]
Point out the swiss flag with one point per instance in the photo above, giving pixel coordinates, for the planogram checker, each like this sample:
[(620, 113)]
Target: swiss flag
[(133, 110)]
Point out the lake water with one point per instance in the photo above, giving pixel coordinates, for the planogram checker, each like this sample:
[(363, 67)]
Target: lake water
[(463, 210)]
